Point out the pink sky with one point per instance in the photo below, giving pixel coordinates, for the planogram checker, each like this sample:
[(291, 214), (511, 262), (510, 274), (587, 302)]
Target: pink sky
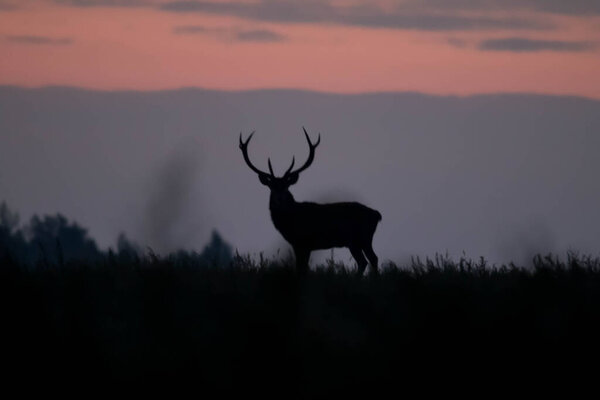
[(146, 47)]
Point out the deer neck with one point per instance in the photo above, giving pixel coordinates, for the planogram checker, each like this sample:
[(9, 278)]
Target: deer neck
[(281, 203), (282, 206)]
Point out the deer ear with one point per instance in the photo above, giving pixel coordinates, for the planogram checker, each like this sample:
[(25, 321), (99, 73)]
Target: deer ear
[(264, 179), (292, 178)]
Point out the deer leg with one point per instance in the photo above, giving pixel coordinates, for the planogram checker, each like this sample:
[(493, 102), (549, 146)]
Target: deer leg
[(360, 259), (373, 260), (302, 257)]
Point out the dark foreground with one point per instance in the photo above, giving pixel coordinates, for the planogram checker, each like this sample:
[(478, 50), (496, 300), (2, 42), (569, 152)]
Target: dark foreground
[(258, 327)]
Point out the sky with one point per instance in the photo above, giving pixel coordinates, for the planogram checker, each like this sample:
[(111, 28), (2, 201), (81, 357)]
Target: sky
[(457, 47), (484, 141), (499, 176)]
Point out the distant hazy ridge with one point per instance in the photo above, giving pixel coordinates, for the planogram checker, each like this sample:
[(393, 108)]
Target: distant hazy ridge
[(502, 176)]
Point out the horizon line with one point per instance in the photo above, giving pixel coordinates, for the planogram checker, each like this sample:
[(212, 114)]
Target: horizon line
[(299, 90)]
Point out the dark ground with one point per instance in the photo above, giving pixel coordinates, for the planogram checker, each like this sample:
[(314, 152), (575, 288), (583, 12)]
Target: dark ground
[(257, 327)]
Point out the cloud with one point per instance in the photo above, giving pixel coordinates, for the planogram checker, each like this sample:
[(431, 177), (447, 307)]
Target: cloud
[(41, 40), (196, 29), (259, 35), (564, 7), (456, 42), (567, 7), (7, 6), (398, 12), (106, 3), (362, 14), (231, 34), (519, 44)]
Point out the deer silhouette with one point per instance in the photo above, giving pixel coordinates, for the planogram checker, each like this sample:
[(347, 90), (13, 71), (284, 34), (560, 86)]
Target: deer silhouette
[(311, 226)]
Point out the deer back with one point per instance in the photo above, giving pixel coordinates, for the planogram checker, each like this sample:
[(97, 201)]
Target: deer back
[(322, 226)]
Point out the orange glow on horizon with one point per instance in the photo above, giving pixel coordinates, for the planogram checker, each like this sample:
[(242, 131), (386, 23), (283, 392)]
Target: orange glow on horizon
[(136, 48)]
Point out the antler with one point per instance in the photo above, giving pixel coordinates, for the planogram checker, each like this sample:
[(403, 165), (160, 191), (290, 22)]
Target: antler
[(311, 155), (244, 148)]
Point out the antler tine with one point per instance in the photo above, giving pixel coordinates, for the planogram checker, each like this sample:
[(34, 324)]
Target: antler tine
[(271, 168), (308, 139), (245, 144), (311, 154), (244, 148), (291, 166)]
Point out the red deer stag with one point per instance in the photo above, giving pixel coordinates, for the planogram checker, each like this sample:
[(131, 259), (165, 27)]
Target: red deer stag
[(311, 226)]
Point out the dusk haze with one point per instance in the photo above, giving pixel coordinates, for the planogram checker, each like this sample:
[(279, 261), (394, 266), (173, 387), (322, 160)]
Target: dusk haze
[(344, 46), (300, 198)]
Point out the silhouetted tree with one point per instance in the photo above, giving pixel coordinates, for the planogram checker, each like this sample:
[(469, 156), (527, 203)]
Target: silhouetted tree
[(217, 251), (12, 242), (53, 240), (58, 241), (8, 220), (127, 247)]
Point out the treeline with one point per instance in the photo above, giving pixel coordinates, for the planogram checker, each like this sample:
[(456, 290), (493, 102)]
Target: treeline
[(53, 240), (257, 326)]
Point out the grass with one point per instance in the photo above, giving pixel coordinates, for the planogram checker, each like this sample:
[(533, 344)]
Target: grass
[(254, 322)]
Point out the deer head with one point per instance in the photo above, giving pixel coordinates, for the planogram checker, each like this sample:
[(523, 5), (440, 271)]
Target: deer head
[(279, 185)]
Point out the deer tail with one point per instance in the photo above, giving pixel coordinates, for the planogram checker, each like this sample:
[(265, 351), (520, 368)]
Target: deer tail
[(376, 215)]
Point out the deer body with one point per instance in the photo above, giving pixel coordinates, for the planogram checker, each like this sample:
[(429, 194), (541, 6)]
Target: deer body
[(323, 226), (311, 226)]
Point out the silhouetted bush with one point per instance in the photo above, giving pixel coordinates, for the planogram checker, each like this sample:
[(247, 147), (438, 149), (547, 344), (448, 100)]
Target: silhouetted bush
[(52, 241), (257, 322), (243, 325), (46, 241), (217, 251)]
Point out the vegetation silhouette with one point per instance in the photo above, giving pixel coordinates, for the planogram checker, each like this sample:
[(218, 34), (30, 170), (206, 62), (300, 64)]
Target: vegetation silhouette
[(255, 325), (54, 241), (311, 226), (244, 326)]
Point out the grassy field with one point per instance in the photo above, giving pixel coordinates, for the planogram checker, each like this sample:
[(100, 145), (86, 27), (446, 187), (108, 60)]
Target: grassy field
[(251, 322)]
